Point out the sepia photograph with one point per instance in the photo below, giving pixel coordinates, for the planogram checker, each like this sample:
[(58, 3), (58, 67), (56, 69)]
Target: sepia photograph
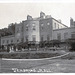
[(37, 37)]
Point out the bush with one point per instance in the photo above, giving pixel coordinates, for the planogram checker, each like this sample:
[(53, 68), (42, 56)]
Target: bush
[(1, 50), (29, 55)]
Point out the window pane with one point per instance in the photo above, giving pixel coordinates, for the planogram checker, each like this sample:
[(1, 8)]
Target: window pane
[(42, 38), (58, 26), (33, 25), (7, 41), (48, 38), (27, 38), (48, 23), (66, 35), (27, 27), (59, 36), (33, 37), (3, 41), (73, 35), (11, 41), (55, 25), (42, 26), (17, 40)]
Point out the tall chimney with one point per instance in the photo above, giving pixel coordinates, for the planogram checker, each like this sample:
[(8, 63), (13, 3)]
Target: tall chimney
[(42, 14), (71, 22)]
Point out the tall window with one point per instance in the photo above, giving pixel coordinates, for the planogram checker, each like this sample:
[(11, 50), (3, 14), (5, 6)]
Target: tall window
[(33, 37), (66, 35), (48, 38), (73, 35), (42, 26), (42, 38), (17, 40), (3, 41), (22, 28), (59, 36), (22, 39), (54, 25), (48, 23), (58, 26), (7, 41), (17, 30), (12, 41), (26, 38), (27, 27), (33, 26)]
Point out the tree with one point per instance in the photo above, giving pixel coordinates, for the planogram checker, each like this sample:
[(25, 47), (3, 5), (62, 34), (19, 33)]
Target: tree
[(71, 43)]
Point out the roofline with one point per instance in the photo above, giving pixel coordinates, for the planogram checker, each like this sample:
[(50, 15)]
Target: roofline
[(59, 22), (64, 28), (29, 20)]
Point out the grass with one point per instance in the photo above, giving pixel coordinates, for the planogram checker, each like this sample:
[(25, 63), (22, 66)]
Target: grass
[(71, 56)]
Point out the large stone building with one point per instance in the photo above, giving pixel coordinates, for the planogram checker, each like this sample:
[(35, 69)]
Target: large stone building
[(43, 28)]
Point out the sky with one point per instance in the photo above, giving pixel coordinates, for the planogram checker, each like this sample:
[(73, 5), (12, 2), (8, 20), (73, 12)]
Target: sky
[(17, 12)]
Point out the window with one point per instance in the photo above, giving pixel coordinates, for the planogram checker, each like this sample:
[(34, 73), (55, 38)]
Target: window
[(17, 40), (27, 27), (42, 26), (22, 39), (58, 26), (7, 41), (17, 30), (73, 35), (48, 38), (3, 41), (59, 36), (42, 38), (33, 37), (33, 26), (48, 23), (54, 25), (26, 38), (22, 29), (11, 41), (66, 35)]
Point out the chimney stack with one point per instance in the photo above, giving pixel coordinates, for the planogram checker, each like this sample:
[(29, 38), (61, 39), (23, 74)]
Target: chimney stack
[(71, 22)]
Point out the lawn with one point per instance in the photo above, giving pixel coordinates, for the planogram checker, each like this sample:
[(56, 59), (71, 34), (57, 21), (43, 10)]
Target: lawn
[(55, 66), (64, 64)]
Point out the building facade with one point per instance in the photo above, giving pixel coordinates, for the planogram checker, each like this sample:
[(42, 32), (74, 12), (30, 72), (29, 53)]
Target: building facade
[(43, 28), (64, 33)]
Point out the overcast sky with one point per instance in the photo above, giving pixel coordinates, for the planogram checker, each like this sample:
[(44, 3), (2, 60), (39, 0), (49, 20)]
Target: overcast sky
[(16, 12)]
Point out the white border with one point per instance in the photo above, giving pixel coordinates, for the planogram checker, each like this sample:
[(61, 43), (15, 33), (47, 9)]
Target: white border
[(37, 1)]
